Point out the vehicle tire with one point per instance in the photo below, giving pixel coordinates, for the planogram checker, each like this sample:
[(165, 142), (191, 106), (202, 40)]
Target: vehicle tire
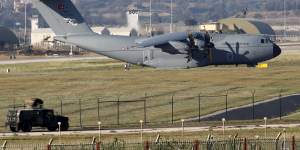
[(13, 129), (64, 126), (52, 128), (26, 127)]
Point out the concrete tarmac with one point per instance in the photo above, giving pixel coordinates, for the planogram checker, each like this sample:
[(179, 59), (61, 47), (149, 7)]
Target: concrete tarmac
[(51, 59)]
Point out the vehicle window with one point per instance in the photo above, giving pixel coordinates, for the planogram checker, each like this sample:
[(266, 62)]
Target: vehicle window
[(50, 113), (262, 40)]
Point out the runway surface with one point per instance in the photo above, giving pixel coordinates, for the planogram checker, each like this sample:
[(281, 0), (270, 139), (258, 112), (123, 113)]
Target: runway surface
[(272, 108), (51, 59)]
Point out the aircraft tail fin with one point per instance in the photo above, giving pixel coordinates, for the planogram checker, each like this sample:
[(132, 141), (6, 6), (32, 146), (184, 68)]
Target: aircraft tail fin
[(62, 16)]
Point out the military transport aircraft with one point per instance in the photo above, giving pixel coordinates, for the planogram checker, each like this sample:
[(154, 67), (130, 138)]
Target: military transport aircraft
[(172, 50)]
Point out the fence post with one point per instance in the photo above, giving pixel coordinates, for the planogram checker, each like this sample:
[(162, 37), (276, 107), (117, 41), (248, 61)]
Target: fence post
[(147, 145), (80, 113), (280, 105), (49, 144), (98, 146), (61, 107), (118, 111), (48, 147), (226, 101), (245, 144), (145, 109), (196, 145), (98, 108), (4, 145), (253, 101), (293, 143), (199, 108), (172, 103)]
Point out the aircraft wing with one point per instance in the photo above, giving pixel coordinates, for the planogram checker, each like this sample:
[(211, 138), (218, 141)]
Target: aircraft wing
[(156, 41)]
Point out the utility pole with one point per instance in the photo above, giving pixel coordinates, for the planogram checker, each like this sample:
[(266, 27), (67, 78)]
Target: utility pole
[(25, 22), (150, 22), (297, 3), (284, 18), (171, 25)]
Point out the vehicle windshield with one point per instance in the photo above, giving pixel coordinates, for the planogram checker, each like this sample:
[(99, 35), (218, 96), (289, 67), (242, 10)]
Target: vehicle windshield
[(50, 113)]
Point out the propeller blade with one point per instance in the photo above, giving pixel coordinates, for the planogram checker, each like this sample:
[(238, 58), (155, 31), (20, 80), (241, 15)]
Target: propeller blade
[(210, 55), (192, 42), (237, 48), (230, 47)]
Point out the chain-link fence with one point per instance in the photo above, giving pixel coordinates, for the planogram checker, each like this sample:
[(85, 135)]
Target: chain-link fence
[(157, 109), (229, 144)]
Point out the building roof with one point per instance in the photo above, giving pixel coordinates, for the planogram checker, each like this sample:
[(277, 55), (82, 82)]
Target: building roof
[(7, 36), (247, 26)]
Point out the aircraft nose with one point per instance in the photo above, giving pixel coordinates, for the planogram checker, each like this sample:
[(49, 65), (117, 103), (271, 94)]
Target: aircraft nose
[(276, 50)]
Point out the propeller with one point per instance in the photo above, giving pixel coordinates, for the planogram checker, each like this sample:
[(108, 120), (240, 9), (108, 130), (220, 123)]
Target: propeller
[(207, 46), (236, 52), (191, 46)]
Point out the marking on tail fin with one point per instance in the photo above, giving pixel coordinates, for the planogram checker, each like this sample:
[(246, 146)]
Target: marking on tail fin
[(61, 6), (70, 21)]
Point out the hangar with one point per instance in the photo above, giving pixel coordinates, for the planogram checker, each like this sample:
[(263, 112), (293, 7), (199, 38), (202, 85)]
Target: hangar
[(8, 40), (239, 25)]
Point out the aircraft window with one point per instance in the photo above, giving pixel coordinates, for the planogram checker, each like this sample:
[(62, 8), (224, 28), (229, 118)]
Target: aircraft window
[(262, 40)]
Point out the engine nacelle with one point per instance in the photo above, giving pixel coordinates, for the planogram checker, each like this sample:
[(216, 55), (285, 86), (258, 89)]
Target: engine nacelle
[(200, 44)]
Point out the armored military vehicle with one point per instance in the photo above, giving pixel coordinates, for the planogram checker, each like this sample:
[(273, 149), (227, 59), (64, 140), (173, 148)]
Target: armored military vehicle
[(35, 116)]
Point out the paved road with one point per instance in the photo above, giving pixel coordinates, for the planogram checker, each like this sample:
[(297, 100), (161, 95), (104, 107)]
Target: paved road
[(150, 130), (50, 59), (272, 108)]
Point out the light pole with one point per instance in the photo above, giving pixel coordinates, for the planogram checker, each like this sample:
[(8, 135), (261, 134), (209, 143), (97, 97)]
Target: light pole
[(182, 126), (150, 21), (265, 119), (99, 130), (284, 19), (284, 138), (298, 19), (18, 24), (171, 25), (223, 121), (59, 130), (25, 22), (141, 123), (71, 50)]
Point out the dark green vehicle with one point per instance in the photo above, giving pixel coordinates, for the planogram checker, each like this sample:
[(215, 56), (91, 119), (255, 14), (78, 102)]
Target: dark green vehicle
[(25, 119)]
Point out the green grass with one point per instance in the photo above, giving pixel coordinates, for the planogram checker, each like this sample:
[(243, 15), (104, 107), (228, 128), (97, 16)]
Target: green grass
[(106, 79)]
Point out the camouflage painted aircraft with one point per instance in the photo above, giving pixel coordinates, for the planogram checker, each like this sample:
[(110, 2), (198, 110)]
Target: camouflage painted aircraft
[(172, 50)]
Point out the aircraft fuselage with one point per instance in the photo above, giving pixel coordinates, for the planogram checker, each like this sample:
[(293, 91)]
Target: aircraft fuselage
[(228, 49)]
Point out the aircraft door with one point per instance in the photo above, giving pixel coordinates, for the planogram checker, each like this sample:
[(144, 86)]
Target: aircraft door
[(147, 55)]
